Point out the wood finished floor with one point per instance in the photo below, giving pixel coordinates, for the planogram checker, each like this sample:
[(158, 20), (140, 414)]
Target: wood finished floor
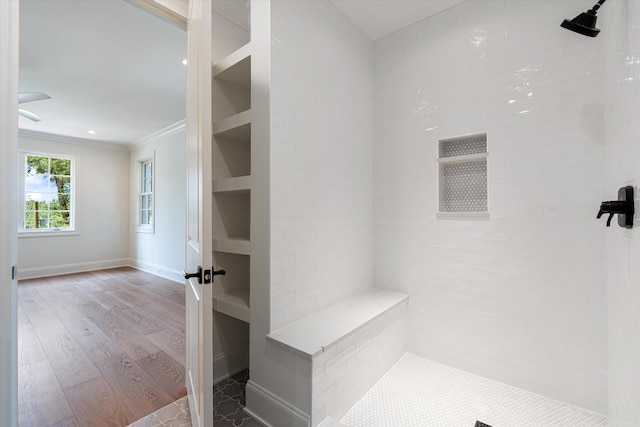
[(103, 348)]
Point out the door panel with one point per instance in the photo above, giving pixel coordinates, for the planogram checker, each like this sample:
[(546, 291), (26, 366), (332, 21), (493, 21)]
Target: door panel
[(9, 33), (199, 298)]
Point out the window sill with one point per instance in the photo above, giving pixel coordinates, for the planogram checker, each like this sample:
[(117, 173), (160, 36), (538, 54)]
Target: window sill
[(149, 230), (52, 233), (468, 216)]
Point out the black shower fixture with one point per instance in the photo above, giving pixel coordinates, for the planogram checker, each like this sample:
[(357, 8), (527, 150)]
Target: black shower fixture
[(585, 23), (623, 207)]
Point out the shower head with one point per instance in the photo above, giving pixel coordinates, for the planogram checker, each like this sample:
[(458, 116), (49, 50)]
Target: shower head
[(585, 23)]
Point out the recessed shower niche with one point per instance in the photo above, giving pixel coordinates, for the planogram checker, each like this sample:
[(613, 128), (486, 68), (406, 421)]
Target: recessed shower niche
[(462, 177)]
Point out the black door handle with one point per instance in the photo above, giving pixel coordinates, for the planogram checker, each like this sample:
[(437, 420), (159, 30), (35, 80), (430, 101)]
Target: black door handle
[(204, 276), (197, 274)]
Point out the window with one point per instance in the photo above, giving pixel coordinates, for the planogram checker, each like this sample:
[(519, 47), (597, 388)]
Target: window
[(145, 197), (48, 193), (463, 177)]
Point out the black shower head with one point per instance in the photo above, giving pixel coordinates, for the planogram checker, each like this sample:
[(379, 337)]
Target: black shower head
[(585, 23)]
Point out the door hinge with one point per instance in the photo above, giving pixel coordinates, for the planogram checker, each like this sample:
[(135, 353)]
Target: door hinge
[(13, 272)]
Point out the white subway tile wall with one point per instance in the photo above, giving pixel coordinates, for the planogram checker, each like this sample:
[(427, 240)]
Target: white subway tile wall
[(520, 298), (347, 370), (321, 159), (621, 30)]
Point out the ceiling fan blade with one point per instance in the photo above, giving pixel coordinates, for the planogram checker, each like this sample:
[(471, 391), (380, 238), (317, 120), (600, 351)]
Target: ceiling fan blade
[(32, 96), (29, 115)]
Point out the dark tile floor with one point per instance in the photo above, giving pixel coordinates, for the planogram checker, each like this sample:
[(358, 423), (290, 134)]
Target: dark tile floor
[(228, 401)]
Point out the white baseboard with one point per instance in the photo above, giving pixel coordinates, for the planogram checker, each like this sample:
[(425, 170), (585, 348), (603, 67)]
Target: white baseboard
[(158, 270), (271, 411), (228, 364), (57, 270)]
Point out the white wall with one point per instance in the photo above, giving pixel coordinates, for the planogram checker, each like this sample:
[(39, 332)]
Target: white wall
[(102, 216), (163, 251), (321, 158), (519, 298), (621, 30)]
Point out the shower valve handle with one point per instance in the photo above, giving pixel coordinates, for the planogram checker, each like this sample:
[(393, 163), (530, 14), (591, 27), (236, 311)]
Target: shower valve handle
[(611, 208), (623, 207)]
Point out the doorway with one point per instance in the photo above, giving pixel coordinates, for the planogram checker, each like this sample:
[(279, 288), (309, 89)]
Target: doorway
[(102, 113)]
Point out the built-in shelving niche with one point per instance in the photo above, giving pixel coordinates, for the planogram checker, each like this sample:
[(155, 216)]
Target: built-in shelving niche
[(232, 219), (231, 291), (232, 84), (231, 163), (232, 151)]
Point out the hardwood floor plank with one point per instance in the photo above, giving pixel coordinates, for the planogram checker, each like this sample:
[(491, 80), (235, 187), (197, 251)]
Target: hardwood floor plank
[(135, 345), (145, 324), (67, 422), (41, 399), (75, 296), (39, 313), (29, 347), (150, 304), (54, 292), (165, 371), (70, 363), (86, 285), (171, 342), (95, 343), (95, 404), (140, 393), (23, 319)]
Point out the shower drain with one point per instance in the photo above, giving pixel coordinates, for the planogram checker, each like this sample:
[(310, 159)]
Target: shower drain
[(481, 424)]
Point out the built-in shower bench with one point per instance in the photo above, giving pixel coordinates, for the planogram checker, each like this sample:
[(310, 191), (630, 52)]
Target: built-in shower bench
[(344, 349)]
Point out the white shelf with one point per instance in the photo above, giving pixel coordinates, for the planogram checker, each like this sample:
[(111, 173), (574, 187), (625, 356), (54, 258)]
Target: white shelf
[(236, 184), (237, 123), (234, 304), (232, 246), (464, 158), (235, 68)]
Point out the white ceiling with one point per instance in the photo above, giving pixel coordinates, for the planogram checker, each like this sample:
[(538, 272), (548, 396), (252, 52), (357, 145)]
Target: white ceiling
[(117, 70), (107, 65), (378, 18)]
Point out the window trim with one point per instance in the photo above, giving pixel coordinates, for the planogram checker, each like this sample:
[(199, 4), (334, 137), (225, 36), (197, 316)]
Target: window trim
[(145, 228), (39, 232)]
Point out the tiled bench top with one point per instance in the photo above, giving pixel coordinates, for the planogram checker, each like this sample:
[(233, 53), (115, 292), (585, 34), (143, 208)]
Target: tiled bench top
[(309, 336)]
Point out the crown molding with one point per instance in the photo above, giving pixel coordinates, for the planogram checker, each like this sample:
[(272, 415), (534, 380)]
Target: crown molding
[(105, 145), (157, 134)]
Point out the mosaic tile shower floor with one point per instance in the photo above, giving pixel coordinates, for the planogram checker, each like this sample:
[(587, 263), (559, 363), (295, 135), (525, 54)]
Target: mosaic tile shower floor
[(419, 393)]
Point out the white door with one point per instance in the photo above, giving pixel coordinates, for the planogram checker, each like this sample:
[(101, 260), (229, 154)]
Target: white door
[(199, 302), (8, 241)]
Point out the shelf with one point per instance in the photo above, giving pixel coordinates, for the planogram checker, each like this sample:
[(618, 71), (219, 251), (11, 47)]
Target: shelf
[(476, 157), (234, 304), (236, 184), (234, 127), (232, 246), (235, 68)]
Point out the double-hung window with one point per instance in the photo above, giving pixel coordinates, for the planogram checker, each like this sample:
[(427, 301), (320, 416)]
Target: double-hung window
[(47, 193), (145, 196)]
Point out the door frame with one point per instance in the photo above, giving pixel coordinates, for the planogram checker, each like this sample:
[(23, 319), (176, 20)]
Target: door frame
[(9, 77), (9, 57)]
